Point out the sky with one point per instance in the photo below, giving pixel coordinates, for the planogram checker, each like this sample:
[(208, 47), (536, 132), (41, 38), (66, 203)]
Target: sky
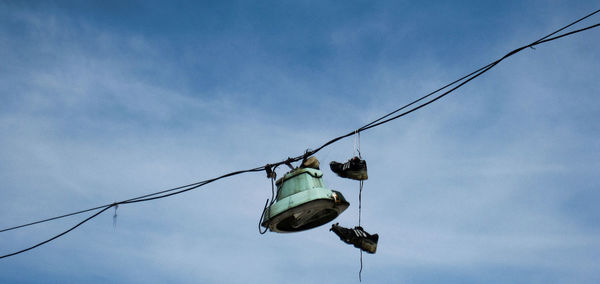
[(101, 101)]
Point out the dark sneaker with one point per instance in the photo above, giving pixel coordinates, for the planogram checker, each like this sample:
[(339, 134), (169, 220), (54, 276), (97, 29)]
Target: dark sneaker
[(355, 168), (357, 237)]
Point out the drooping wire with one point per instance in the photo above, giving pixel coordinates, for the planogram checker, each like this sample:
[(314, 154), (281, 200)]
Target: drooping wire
[(59, 235), (473, 75), (101, 206), (136, 200), (272, 175), (262, 217), (539, 41), (53, 218), (379, 121), (132, 200)]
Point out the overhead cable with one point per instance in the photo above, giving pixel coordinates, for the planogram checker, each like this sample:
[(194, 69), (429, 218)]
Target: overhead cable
[(377, 122)]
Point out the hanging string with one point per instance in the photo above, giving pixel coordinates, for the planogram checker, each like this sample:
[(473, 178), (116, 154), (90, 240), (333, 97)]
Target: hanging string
[(357, 149), (357, 143), (360, 201), (359, 216), (115, 216), (360, 271)]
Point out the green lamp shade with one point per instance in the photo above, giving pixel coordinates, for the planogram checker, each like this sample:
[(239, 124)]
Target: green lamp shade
[(303, 202)]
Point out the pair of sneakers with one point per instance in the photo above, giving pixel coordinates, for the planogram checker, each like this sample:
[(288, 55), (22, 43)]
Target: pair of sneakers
[(357, 237), (355, 168)]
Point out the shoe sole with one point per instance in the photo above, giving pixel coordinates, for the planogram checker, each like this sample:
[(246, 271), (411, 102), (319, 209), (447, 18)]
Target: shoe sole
[(358, 175)]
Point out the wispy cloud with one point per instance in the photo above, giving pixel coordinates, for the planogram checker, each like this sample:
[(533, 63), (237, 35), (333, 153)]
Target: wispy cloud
[(498, 177)]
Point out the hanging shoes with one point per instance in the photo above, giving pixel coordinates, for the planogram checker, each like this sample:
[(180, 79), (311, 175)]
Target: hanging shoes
[(357, 237), (355, 168)]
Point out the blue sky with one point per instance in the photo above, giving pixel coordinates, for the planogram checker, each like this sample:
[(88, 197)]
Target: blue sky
[(106, 100)]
